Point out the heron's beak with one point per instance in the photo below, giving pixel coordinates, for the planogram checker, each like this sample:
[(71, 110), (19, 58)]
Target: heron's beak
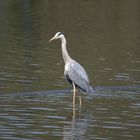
[(52, 39)]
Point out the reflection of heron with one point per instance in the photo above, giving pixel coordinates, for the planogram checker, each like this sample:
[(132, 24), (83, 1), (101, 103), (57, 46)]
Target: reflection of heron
[(73, 72), (78, 127)]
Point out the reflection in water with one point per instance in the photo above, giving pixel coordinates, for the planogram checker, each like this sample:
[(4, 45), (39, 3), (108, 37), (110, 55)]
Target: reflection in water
[(78, 127), (79, 124), (114, 113)]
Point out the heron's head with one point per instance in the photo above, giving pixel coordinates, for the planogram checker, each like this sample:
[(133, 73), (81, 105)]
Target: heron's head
[(58, 35)]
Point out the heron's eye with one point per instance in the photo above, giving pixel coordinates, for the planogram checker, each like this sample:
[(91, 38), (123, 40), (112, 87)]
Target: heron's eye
[(59, 33)]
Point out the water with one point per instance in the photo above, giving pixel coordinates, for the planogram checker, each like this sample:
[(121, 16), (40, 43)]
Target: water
[(35, 99), (112, 113)]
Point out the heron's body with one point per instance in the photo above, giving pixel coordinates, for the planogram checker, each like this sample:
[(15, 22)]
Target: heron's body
[(74, 75), (73, 71)]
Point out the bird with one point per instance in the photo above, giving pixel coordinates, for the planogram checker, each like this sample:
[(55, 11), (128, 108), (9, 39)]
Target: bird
[(73, 71)]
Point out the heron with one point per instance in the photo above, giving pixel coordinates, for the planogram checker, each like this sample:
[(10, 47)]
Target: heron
[(73, 71)]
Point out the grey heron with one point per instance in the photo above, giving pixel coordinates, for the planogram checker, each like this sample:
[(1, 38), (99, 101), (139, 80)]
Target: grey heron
[(73, 71)]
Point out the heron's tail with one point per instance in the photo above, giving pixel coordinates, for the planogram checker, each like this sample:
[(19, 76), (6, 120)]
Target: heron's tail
[(90, 90)]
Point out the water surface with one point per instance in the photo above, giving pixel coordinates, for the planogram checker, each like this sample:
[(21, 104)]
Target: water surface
[(35, 99), (112, 113)]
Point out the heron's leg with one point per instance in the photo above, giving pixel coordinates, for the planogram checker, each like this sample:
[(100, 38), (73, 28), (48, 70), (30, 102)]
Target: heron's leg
[(73, 111), (80, 100), (74, 92)]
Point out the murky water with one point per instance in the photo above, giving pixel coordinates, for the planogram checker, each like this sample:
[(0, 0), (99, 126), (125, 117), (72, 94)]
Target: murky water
[(35, 100)]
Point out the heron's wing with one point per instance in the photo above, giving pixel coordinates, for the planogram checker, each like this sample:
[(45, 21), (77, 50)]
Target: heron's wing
[(76, 73)]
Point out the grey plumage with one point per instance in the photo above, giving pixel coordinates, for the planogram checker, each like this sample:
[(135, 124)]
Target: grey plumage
[(76, 74), (73, 71)]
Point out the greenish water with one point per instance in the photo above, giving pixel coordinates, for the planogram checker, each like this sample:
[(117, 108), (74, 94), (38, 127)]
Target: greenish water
[(103, 36)]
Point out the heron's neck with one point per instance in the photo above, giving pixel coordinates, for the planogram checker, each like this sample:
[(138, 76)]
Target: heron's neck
[(65, 54)]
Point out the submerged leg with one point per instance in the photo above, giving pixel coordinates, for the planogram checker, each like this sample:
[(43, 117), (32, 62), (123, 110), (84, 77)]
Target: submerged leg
[(74, 92), (80, 100)]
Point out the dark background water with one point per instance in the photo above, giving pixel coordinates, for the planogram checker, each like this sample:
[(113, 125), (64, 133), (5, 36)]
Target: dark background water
[(103, 36)]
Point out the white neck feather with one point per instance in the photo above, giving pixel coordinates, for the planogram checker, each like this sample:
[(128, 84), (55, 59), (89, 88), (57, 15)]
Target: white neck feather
[(65, 54)]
